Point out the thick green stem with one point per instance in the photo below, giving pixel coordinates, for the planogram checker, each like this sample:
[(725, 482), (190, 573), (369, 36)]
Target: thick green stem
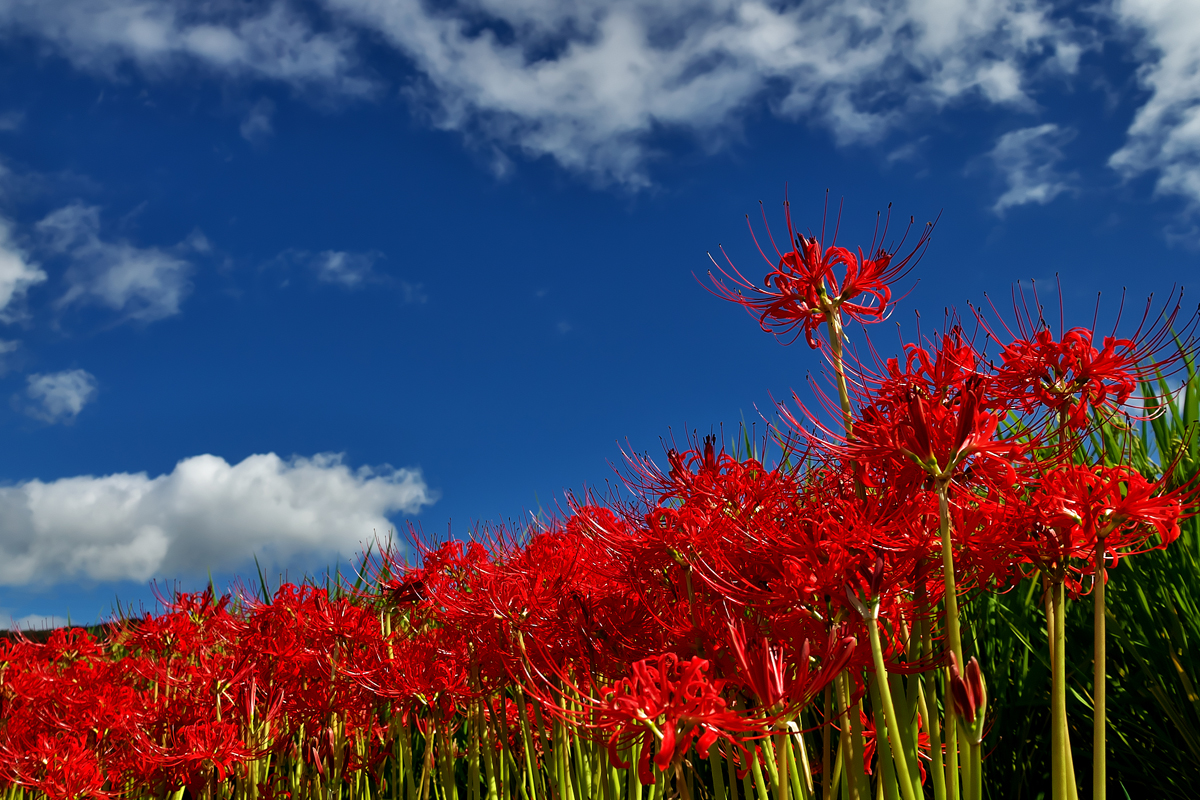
[(952, 632), (826, 752), (535, 787), (802, 746), (889, 710), (801, 788), (833, 319), (718, 772), (1099, 680), (885, 772), (781, 756), (1058, 694), (929, 712), (759, 785), (951, 598), (852, 739)]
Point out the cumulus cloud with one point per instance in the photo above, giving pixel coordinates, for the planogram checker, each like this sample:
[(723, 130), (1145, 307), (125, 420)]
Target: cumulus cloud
[(586, 83), (205, 514), (263, 39), (1028, 159), (1164, 137), (139, 283), (59, 396), (17, 274)]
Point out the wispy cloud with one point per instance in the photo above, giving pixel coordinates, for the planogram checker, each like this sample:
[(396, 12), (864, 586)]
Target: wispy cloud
[(1028, 161), (588, 83), (256, 126), (269, 40), (59, 396), (347, 269), (142, 284), (1165, 134), (204, 514), (17, 274)]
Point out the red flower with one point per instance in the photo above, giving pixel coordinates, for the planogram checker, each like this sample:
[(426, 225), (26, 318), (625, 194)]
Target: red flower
[(1079, 505), (673, 701), (802, 292), (1069, 376)]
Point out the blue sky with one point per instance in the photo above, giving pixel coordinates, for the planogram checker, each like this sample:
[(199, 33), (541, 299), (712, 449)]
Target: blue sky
[(277, 275)]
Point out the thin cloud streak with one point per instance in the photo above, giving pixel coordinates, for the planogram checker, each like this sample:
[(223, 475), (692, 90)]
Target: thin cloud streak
[(1028, 160), (142, 284)]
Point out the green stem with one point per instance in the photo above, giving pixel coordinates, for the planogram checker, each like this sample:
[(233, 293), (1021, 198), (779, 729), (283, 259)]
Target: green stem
[(534, 787), (718, 771), (834, 321), (975, 792), (928, 706), (802, 746), (952, 737), (951, 598), (781, 754), (886, 785), (635, 784), (826, 752), (1099, 680), (759, 784), (857, 751), (889, 709), (1058, 694)]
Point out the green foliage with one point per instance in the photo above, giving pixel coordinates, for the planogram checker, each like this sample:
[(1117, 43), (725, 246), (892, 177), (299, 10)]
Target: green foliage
[(1154, 639)]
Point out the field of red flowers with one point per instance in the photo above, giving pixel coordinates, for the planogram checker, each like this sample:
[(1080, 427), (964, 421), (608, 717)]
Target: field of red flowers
[(729, 626)]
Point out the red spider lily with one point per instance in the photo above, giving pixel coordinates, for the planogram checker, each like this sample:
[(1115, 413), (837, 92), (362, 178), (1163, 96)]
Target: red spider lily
[(674, 702), (63, 767), (1069, 376), (802, 292), (787, 684), (199, 750), (935, 439), (1082, 505)]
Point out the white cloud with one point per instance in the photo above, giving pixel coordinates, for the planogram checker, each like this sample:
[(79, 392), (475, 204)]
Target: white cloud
[(231, 37), (257, 127), (587, 82), (347, 269), (1028, 160), (59, 396), (140, 283), (1165, 134), (17, 274), (205, 514)]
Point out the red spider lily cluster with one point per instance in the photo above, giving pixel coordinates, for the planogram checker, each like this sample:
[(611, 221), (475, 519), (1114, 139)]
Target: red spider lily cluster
[(726, 626)]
